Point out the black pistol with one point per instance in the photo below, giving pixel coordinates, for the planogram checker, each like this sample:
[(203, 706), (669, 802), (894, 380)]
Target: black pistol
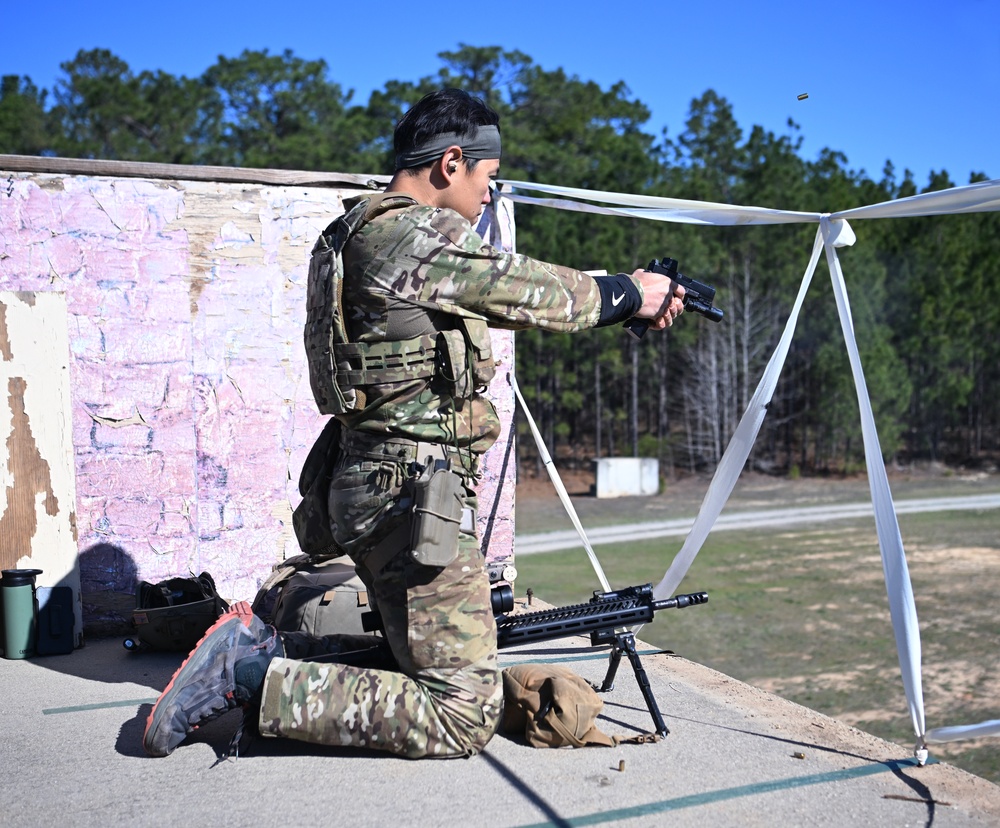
[(698, 296)]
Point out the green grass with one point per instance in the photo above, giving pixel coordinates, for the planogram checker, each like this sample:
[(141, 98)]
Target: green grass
[(804, 614)]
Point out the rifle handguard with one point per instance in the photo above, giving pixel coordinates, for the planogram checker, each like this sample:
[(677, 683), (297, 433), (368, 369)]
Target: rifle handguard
[(603, 614)]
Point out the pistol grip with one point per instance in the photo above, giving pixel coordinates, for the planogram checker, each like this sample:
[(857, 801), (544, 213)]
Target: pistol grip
[(636, 327)]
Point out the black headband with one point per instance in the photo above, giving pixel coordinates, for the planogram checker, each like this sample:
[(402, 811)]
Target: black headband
[(482, 142)]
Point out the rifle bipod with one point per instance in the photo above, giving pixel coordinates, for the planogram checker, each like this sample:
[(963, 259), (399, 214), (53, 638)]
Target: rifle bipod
[(625, 643), (607, 617)]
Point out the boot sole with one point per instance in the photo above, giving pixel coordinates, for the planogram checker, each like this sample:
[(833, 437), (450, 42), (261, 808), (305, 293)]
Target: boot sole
[(240, 612)]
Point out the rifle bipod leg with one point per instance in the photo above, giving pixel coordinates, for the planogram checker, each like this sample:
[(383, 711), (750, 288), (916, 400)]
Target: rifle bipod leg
[(625, 643)]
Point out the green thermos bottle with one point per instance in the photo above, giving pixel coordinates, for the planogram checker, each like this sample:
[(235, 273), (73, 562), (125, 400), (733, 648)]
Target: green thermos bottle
[(20, 612)]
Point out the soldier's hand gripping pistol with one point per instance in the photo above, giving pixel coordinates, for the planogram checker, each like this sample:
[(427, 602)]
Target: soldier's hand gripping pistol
[(698, 296)]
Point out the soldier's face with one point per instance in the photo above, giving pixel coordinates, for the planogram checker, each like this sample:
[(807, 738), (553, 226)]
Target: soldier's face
[(470, 191)]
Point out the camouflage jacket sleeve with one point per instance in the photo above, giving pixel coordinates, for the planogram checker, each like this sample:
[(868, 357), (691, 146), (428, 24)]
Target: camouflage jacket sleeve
[(433, 257)]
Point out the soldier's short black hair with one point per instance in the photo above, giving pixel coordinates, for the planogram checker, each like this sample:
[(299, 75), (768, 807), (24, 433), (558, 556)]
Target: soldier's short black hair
[(447, 110)]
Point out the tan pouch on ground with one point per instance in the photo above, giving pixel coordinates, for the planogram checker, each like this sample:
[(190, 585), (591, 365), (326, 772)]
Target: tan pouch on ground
[(551, 706)]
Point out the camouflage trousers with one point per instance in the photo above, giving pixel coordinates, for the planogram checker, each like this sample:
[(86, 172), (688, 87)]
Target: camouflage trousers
[(445, 699)]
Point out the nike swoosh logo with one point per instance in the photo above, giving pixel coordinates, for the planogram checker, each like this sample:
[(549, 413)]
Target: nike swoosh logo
[(616, 300)]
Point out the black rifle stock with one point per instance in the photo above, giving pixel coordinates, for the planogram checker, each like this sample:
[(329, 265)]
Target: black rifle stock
[(698, 296), (607, 617)]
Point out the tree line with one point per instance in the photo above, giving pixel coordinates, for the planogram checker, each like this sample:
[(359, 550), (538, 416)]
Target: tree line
[(925, 292)]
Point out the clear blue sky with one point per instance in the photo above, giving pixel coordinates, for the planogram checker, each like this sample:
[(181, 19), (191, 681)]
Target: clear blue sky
[(917, 82)]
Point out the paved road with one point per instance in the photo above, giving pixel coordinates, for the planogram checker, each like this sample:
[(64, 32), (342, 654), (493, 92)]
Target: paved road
[(756, 519)]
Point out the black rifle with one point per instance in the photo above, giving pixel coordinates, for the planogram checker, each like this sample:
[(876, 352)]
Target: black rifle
[(606, 617), (698, 296)]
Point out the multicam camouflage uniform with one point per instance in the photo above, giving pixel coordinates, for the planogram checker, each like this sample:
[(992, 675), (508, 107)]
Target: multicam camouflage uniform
[(409, 272)]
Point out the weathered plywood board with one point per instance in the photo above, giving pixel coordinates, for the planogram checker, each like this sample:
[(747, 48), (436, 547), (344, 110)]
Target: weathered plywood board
[(191, 407), (37, 478)]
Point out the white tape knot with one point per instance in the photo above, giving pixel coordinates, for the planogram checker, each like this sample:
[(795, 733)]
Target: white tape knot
[(839, 232)]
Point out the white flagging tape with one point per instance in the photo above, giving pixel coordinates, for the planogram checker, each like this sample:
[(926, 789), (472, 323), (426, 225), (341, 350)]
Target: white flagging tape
[(834, 231), (981, 197), (939, 735), (738, 450), (560, 488), (733, 215), (902, 609)]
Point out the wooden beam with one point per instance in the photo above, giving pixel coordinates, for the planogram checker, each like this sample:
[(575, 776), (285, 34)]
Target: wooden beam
[(184, 172)]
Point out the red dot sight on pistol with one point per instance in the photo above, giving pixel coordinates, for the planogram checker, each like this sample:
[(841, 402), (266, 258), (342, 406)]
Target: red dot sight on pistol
[(698, 296)]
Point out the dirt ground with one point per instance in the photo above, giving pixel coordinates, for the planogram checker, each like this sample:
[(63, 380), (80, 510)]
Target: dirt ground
[(538, 509)]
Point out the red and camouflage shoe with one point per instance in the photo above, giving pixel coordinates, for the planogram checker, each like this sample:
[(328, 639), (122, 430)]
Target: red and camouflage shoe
[(224, 671)]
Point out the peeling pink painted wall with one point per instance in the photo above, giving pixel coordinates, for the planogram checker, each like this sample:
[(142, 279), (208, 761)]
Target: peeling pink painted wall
[(191, 407)]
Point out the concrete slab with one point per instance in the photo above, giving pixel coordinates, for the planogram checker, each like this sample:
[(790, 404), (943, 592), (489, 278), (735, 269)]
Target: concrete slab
[(735, 755)]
